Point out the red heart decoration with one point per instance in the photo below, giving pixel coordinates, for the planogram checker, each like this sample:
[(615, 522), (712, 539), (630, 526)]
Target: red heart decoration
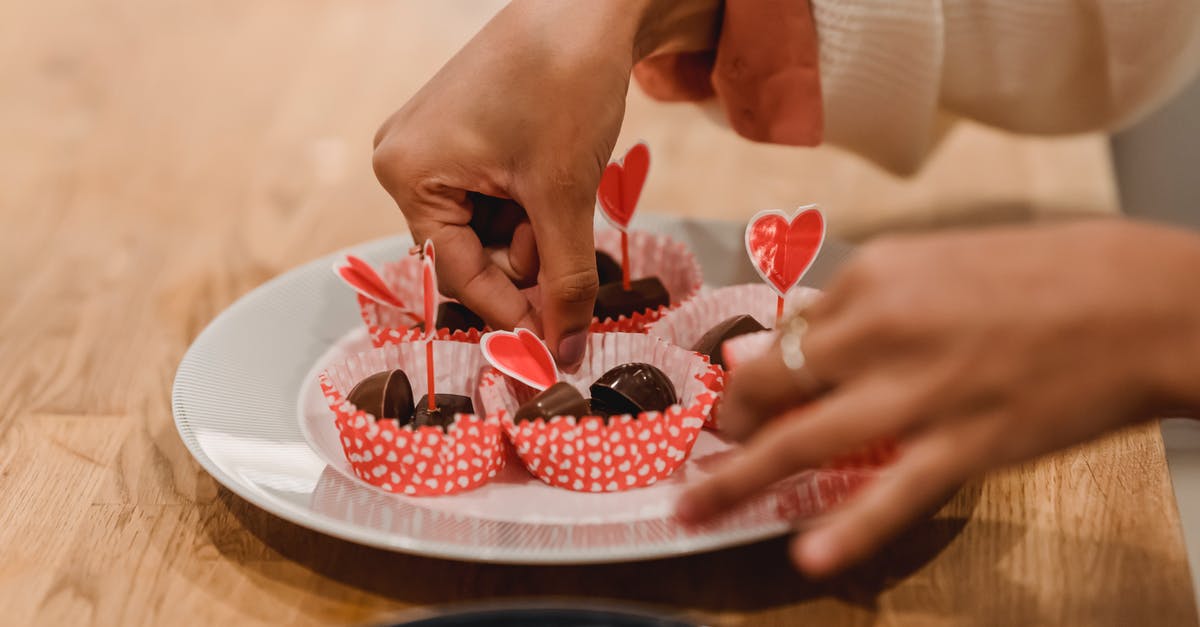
[(521, 355), (363, 278), (429, 285), (621, 185), (783, 247)]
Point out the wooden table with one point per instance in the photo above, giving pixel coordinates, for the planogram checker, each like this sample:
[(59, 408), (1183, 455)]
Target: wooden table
[(161, 159)]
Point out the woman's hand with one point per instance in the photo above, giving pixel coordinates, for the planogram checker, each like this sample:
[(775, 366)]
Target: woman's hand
[(498, 157), (972, 350)]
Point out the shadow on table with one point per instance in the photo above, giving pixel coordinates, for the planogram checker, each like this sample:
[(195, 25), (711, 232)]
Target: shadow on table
[(748, 578)]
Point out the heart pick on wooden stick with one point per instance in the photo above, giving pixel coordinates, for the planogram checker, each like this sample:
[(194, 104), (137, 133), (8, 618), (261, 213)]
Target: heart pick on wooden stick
[(429, 293), (782, 247), (618, 194), (522, 355), (621, 186), (430, 296), (359, 275)]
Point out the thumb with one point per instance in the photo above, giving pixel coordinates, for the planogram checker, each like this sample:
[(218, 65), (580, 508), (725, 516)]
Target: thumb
[(567, 276)]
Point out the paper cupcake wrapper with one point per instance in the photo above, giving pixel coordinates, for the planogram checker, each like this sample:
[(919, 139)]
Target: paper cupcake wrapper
[(815, 492), (389, 325), (423, 461), (686, 324), (657, 255), (743, 348), (383, 334), (587, 455), (650, 255)]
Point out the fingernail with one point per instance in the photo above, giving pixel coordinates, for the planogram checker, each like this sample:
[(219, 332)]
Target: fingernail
[(570, 350)]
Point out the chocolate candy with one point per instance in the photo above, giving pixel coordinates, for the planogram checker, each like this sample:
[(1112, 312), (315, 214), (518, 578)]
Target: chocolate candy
[(614, 301), (632, 389), (447, 405), (560, 399), (608, 268), (710, 343), (386, 395), (456, 317)]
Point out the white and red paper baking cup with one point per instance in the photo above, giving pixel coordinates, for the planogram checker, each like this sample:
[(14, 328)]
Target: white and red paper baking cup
[(390, 325), (421, 461), (686, 324), (587, 455), (650, 255), (657, 255)]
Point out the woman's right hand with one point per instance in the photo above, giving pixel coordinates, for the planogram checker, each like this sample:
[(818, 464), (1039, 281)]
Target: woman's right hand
[(497, 158)]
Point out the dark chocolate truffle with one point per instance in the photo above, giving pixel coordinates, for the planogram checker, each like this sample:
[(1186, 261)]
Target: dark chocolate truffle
[(710, 343), (386, 395), (447, 405), (560, 399), (614, 301), (632, 389), (456, 317), (608, 268)]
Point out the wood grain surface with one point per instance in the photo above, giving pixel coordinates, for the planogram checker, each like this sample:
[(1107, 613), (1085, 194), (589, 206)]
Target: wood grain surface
[(160, 159)]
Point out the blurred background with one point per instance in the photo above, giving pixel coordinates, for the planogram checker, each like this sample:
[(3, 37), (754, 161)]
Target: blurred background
[(266, 109), (162, 158)]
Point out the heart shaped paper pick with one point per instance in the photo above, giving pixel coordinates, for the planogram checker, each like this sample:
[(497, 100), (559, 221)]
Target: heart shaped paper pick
[(429, 283), (521, 355), (783, 247), (359, 275), (621, 185)]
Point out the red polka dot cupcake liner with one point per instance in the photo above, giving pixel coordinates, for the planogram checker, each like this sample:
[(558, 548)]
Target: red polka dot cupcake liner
[(587, 455), (422, 461), (686, 324)]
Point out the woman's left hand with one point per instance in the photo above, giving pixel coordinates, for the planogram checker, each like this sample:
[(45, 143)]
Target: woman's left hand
[(971, 350)]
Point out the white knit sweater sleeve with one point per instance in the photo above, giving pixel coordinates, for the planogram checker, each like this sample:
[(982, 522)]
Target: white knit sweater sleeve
[(892, 71)]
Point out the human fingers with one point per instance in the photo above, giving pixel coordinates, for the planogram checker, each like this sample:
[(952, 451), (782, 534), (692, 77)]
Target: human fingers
[(562, 227), (844, 421), (467, 273), (929, 469)]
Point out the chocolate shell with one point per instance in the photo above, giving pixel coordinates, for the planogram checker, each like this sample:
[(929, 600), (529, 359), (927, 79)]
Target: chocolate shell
[(387, 395), (608, 268), (447, 406), (456, 317), (614, 301), (710, 343), (560, 399), (631, 389)]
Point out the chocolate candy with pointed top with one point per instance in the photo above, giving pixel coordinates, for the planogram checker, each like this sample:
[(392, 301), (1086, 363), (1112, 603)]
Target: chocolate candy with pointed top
[(632, 389), (447, 406), (456, 317), (608, 268), (387, 395), (614, 301), (710, 343), (560, 399)]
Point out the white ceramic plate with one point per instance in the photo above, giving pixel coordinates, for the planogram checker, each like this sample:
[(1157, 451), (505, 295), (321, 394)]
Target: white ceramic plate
[(248, 408)]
